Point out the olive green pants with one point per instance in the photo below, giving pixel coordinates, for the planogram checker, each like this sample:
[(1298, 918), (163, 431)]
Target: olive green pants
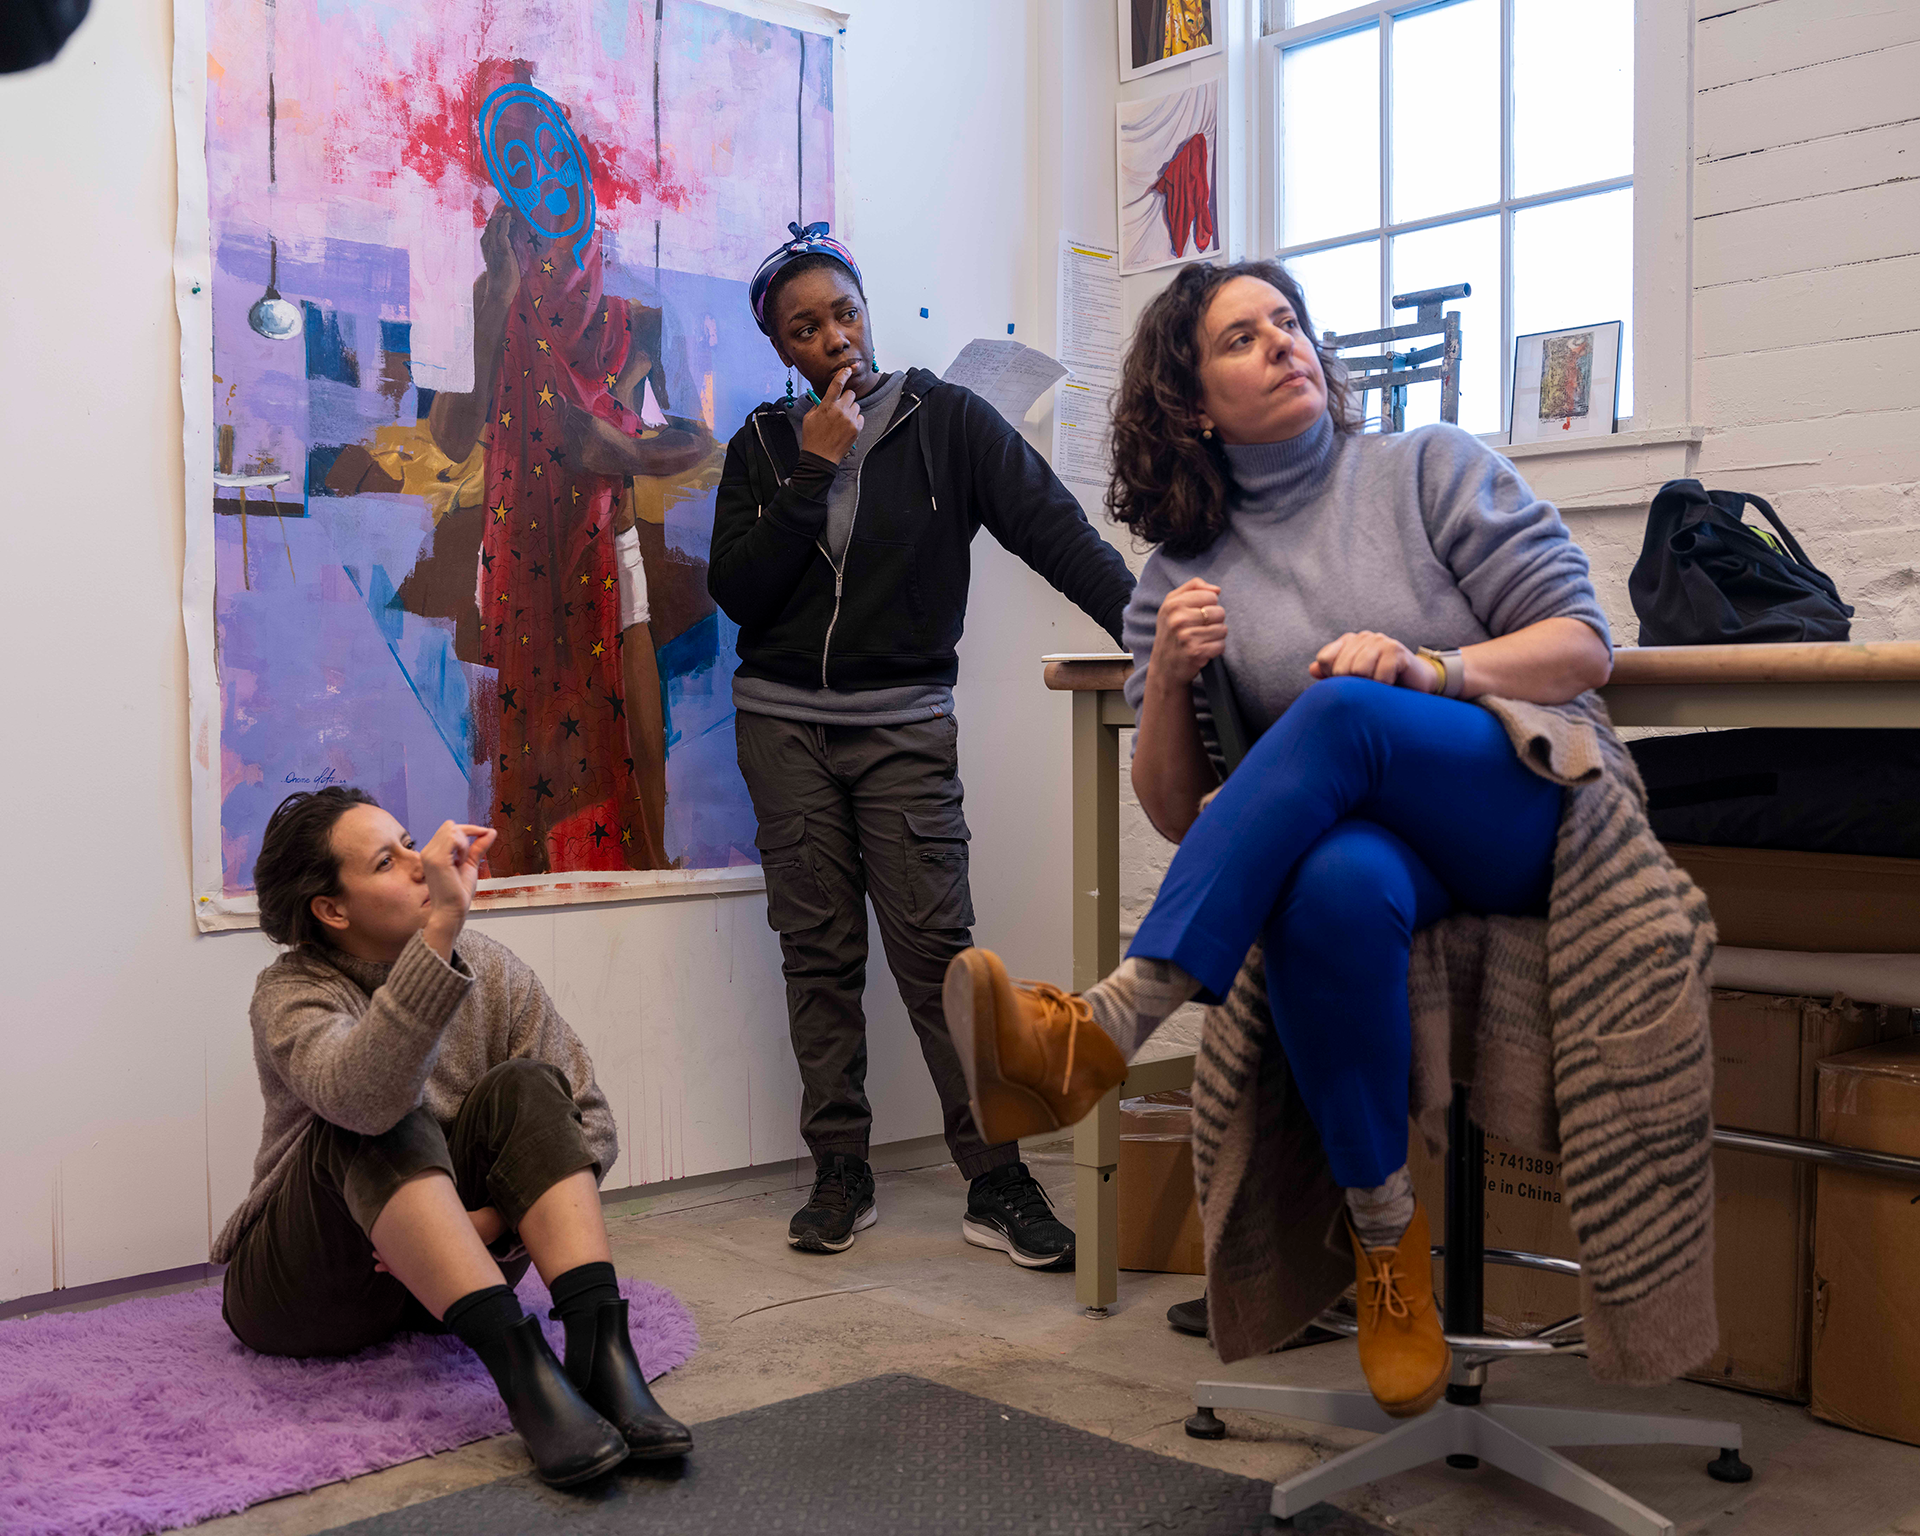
[(848, 812), (302, 1280)]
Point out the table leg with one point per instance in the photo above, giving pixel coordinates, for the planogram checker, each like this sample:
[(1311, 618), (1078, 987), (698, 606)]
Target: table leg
[(1096, 1204), (1096, 843), (1096, 951)]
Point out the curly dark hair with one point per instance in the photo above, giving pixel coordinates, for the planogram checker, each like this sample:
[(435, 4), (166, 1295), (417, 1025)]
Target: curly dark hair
[(1170, 485), (297, 861)]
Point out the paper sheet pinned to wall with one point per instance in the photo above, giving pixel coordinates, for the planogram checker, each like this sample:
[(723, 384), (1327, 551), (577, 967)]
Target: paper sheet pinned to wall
[(1091, 339), (1007, 374)]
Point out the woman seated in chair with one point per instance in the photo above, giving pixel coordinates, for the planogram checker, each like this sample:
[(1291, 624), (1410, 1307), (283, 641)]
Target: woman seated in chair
[(1362, 589)]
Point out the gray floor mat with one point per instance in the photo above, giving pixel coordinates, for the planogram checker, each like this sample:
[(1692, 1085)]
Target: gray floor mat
[(889, 1456)]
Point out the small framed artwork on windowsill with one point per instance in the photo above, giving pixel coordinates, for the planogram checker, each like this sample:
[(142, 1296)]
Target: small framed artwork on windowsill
[(1157, 34), (1566, 383)]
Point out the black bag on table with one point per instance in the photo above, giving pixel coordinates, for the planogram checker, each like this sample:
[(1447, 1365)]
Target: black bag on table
[(1705, 578)]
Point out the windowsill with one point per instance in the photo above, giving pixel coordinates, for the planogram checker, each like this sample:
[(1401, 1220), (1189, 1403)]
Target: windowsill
[(1612, 442), (1620, 472)]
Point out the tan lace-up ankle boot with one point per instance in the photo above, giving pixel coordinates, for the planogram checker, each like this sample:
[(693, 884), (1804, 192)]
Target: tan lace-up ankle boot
[(1402, 1352), (1034, 1058)]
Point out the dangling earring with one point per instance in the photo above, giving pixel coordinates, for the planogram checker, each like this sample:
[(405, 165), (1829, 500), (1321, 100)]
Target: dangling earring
[(789, 385), (1206, 434)]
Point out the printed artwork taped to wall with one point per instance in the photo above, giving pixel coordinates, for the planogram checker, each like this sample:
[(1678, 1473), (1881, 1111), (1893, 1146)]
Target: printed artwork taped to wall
[(1566, 383), (1157, 34), (463, 304), (1169, 177)]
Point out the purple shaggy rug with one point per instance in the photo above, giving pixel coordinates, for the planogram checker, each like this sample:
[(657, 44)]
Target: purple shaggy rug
[(149, 1415)]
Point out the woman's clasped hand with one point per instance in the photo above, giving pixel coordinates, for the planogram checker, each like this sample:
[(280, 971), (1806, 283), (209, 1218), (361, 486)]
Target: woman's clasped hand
[(1191, 631), (1363, 653)]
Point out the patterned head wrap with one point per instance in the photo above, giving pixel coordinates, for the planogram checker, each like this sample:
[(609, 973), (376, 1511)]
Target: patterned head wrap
[(811, 241)]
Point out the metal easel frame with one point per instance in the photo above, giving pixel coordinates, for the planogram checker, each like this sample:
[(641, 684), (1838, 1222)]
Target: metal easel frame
[(1392, 372)]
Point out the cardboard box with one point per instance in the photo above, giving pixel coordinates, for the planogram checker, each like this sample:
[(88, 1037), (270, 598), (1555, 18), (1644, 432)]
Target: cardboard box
[(1159, 1217), (1844, 903), (1766, 1050), (1525, 1211), (1866, 1328)]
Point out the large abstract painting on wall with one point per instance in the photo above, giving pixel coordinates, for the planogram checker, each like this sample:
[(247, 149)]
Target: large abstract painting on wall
[(463, 302)]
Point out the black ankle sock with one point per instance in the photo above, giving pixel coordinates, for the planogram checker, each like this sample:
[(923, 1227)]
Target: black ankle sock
[(480, 1320), (577, 1298)]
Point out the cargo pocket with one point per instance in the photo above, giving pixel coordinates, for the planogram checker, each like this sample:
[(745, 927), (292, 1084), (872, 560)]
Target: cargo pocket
[(936, 849), (795, 899)]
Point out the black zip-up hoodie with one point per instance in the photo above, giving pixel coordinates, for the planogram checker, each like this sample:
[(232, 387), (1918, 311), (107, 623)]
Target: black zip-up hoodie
[(947, 464)]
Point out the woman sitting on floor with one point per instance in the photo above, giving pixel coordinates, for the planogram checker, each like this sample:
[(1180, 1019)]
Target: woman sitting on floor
[(432, 1126), (1361, 589)]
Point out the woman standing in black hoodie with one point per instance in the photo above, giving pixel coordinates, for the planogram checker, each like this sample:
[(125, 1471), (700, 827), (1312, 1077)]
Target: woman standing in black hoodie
[(840, 548)]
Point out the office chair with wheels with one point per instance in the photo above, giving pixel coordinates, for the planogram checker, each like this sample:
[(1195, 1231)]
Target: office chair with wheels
[(1517, 1438)]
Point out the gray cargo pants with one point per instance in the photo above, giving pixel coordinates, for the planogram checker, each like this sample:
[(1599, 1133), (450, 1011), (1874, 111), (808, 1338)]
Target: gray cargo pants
[(846, 812)]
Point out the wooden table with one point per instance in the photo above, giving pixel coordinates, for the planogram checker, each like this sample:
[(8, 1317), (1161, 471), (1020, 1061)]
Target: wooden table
[(1830, 684)]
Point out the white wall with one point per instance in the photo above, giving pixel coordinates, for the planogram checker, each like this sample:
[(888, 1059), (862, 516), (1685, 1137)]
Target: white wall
[(128, 1110), (1806, 265), (1805, 198)]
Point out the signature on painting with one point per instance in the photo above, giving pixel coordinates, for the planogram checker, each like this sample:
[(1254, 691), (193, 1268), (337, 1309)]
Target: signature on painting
[(324, 776)]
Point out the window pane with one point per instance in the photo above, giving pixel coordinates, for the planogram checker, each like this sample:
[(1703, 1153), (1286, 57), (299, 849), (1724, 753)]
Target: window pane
[(1342, 286), (1303, 11), (1330, 137), (1446, 110), (1468, 252), (1572, 265), (1572, 93)]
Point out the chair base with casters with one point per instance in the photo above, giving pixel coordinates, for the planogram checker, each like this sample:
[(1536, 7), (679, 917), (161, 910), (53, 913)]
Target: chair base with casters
[(1465, 1431)]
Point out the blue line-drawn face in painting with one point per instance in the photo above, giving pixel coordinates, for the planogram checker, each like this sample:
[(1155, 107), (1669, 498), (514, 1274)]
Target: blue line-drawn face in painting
[(536, 163)]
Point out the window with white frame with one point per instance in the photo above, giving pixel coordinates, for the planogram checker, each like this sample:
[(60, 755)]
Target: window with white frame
[(1415, 145)]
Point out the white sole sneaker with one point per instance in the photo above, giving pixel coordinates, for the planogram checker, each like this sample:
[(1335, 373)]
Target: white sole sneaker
[(814, 1243), (983, 1236)]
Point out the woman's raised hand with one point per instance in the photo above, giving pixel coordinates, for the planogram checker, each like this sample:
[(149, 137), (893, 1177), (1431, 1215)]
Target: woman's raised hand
[(451, 863), (1190, 631), (1362, 653), (833, 424)]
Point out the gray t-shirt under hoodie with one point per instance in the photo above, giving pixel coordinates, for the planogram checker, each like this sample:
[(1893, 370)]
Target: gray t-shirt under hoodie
[(1429, 536), (834, 706)]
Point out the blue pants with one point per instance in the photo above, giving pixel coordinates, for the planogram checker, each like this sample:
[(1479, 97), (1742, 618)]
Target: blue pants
[(1364, 814)]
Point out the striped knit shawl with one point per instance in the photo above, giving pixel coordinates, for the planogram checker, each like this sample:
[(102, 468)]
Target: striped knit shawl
[(1582, 1035)]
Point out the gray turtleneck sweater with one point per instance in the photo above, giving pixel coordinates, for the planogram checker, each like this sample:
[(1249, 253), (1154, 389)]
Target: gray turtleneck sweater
[(1429, 536)]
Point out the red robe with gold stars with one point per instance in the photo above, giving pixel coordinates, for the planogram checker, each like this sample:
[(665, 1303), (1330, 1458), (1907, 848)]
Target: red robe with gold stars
[(563, 791)]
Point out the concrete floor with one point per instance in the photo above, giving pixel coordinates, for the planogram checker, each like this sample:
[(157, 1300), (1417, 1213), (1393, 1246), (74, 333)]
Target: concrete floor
[(910, 1296)]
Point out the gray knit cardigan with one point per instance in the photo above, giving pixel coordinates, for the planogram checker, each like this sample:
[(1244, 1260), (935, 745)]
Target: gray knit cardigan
[(1583, 1034)]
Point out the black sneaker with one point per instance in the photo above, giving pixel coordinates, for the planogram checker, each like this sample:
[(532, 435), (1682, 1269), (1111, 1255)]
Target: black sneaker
[(1008, 1210), (841, 1205), (1190, 1316)]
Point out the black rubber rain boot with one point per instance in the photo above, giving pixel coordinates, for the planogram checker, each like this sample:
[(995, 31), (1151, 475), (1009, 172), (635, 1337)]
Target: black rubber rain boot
[(617, 1388), (568, 1441)]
